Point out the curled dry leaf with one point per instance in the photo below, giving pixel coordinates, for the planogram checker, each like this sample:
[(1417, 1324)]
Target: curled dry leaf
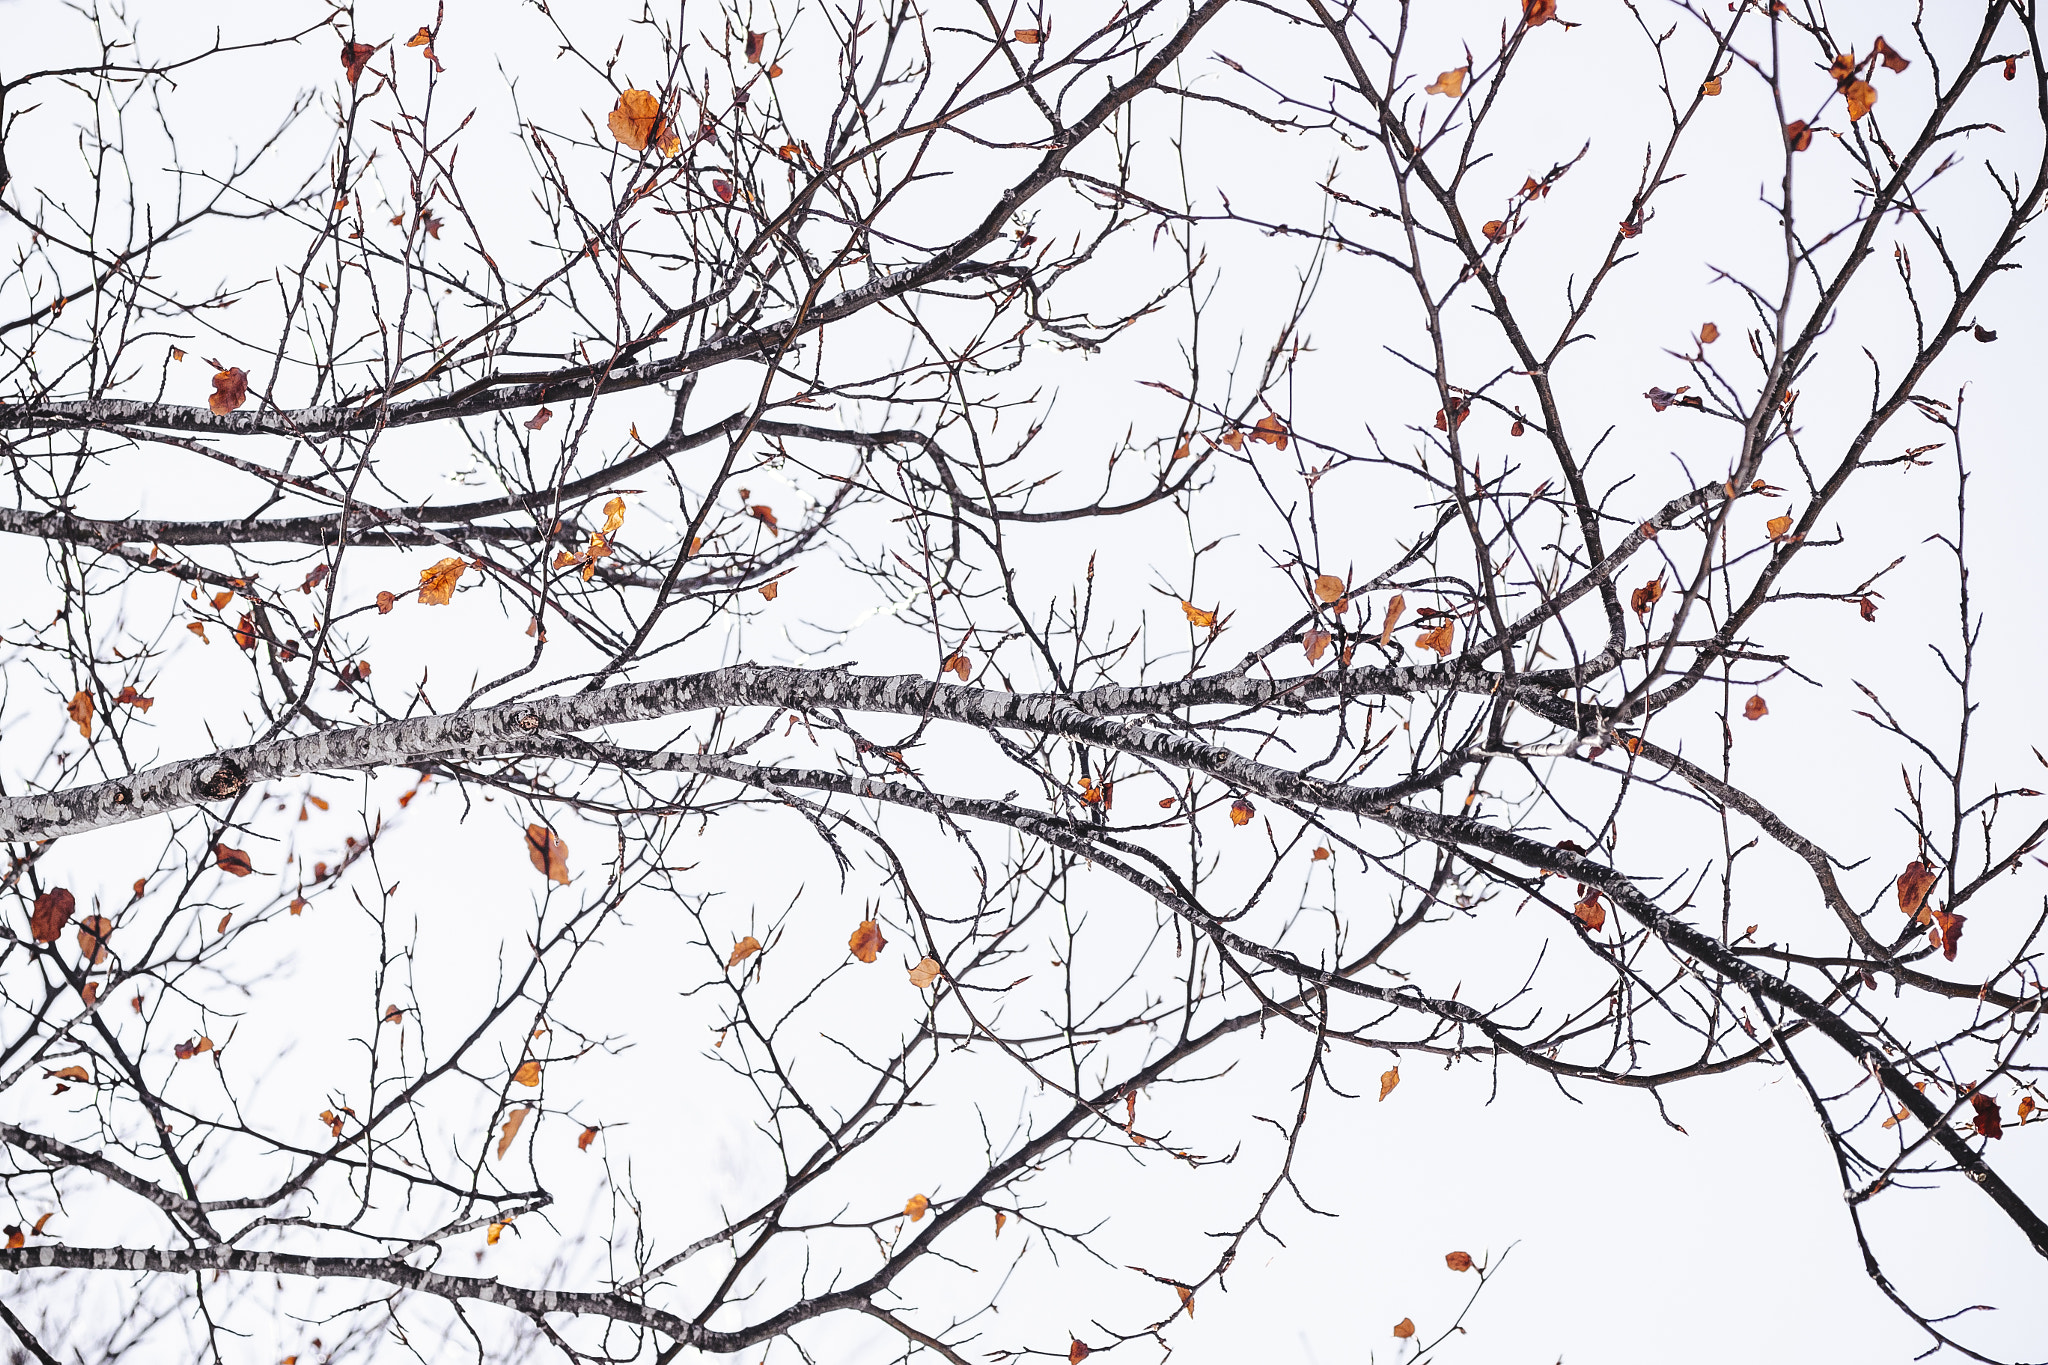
[(1859, 96), (245, 632), (1450, 83), (1711, 86), (549, 853), (723, 189), (528, 1074), (1030, 37), (1779, 527), (437, 584), (762, 511), (230, 391), (1438, 639), (1798, 136), (771, 590), (589, 1136), (1389, 1078), (958, 665), (1318, 854), (1405, 1328), (925, 972), (1889, 55), (539, 419), (866, 942), (1314, 643), (1328, 587), (79, 708), (1001, 1218), (1458, 1260), (93, 933), (232, 861), (53, 911), (1709, 334), (130, 697), (1493, 229), (742, 950), (1948, 932), (1197, 617), (915, 1206), (385, 602), (186, 1051), (1913, 885), (1395, 606), (636, 120), (1241, 812), (509, 1130), (755, 42), (1591, 913), (1536, 12), (495, 1231), (422, 38), (1077, 1351), (1987, 1121), (68, 1073), (1645, 597), (356, 56), (1187, 1298), (1755, 709)]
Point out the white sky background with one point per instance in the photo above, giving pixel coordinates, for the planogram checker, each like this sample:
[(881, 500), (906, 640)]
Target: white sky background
[(1631, 1241)]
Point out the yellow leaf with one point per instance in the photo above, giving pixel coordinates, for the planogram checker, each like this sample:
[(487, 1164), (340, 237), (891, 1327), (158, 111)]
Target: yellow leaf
[(1206, 620), (743, 950), (437, 584), (495, 1231), (614, 516), (1450, 83), (528, 1074), (510, 1130), (1241, 812), (1778, 527), (420, 39), (80, 710), (1388, 1080), (1711, 86), (915, 1206), (1859, 96), (549, 853)]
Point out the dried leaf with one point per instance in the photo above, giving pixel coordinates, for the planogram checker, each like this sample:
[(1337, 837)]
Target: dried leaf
[(186, 1051), (1493, 229), (420, 39), (1982, 333), (766, 514), (1987, 1121), (245, 632), (130, 697), (510, 1130), (915, 1206), (550, 855), (1591, 913), (1798, 137), (755, 42), (1001, 1218), (723, 189), (1710, 86), (232, 861), (69, 1073), (1241, 812), (1329, 587), (1187, 1298), (2026, 1109), (1536, 12), (742, 950), (2012, 67), (1030, 37), (1755, 709), (230, 391), (1314, 644), (52, 913), (1859, 96), (93, 933), (771, 590), (1458, 1260), (356, 56), (1645, 597), (1077, 1351), (1778, 527), (15, 1237), (528, 1074), (1709, 334), (539, 419), (38, 1228), (1389, 1078), (958, 665), (437, 584), (1405, 1328), (1318, 854), (79, 708), (1913, 885), (1450, 83), (1395, 606), (925, 972), (635, 119), (1949, 927), (867, 941), (492, 1233), (1438, 639), (1205, 620), (589, 1136), (385, 602)]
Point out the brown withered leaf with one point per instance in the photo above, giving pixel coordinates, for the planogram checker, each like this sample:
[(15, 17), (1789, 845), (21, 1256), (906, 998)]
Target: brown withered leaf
[(1077, 1351), (958, 665), (422, 38), (232, 861), (548, 852), (385, 602), (1950, 929), (1458, 1260), (1843, 67), (528, 1074), (130, 697), (589, 1136), (1450, 83), (539, 419), (1318, 854), (1438, 639), (245, 632), (1029, 36), (1395, 606), (1314, 644), (2026, 1109), (230, 391), (1709, 334), (1645, 597), (68, 1073), (635, 119), (1711, 86), (1241, 812), (1187, 1298), (15, 1236), (1859, 96), (356, 56), (1197, 617), (79, 708), (1328, 587), (186, 1051), (437, 584), (1867, 609), (1591, 913), (38, 1228), (1536, 12), (1001, 1218), (723, 189), (53, 911), (755, 42), (509, 1130), (1405, 1328), (1987, 1121), (1389, 1078), (2012, 67), (771, 590), (925, 972), (766, 515), (866, 942), (1798, 137), (1889, 55), (742, 950), (1913, 885), (1755, 709), (1778, 527), (916, 1206)]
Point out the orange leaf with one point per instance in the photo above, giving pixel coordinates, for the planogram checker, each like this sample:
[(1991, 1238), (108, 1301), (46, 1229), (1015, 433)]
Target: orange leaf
[(539, 419), (867, 941), (1077, 1351), (230, 391), (1458, 1260), (1438, 639), (771, 590), (1405, 1328), (198, 628), (958, 665), (1272, 431), (245, 633), (1645, 597), (38, 1228), (743, 950), (1536, 12), (1329, 587), (1314, 643), (1711, 86), (52, 913), (1395, 606), (1030, 37), (14, 1237), (1914, 884), (583, 1142), (385, 602), (79, 708), (1859, 96), (355, 56), (1949, 927), (93, 933), (186, 1051), (1798, 136), (1001, 1218), (762, 510), (69, 1073), (1187, 1298), (1240, 812), (437, 584), (232, 861), (1754, 709), (528, 1074), (130, 697), (495, 1231), (1778, 527), (1591, 913), (925, 972), (915, 1206), (1388, 1080), (1198, 617), (1319, 854), (509, 1130), (549, 853), (1493, 229), (1450, 83), (1709, 334), (1889, 55), (420, 39), (636, 120)]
